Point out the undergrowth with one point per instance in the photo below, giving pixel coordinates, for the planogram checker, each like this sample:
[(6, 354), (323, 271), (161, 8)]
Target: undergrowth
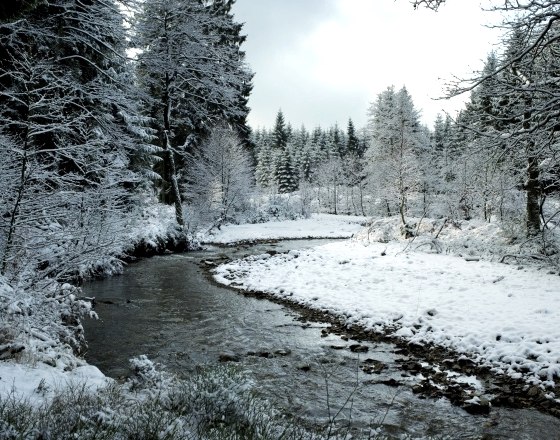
[(214, 403)]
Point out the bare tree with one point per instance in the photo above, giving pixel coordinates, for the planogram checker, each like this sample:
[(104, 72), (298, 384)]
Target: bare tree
[(220, 179)]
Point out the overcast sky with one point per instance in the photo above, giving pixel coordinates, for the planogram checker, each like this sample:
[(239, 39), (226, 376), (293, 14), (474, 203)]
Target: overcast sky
[(324, 61)]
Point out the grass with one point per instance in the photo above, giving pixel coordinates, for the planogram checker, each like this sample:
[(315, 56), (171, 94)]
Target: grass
[(214, 403)]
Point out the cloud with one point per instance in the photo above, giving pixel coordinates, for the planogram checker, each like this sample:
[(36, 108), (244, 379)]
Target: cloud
[(323, 61)]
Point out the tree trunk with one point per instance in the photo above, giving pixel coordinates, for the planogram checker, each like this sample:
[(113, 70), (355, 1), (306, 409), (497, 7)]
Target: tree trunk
[(402, 209), (169, 156), (533, 190), (532, 186)]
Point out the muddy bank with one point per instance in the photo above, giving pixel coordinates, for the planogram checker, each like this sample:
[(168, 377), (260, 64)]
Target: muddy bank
[(437, 372)]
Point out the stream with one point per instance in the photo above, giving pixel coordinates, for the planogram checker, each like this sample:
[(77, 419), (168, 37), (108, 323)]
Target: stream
[(165, 307)]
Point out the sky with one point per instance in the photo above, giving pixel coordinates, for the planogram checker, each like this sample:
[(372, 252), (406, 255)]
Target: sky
[(325, 61)]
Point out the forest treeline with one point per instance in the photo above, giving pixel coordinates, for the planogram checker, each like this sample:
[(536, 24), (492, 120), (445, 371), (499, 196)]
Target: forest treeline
[(496, 160)]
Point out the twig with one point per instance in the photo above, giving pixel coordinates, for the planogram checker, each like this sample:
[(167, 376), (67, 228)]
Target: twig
[(445, 220)]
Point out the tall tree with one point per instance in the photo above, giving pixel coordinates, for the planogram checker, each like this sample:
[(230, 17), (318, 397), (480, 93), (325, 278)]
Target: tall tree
[(284, 169), (396, 139), (192, 75)]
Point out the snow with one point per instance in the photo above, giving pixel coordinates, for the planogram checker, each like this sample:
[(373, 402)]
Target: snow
[(318, 226), (38, 383), (502, 316)]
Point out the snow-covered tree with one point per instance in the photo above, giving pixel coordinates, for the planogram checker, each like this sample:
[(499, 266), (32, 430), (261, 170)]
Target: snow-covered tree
[(522, 81), (69, 129), (285, 174), (220, 177), (396, 140), (192, 76)]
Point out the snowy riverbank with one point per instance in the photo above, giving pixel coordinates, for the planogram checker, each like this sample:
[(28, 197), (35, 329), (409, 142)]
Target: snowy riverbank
[(317, 226), (46, 363), (422, 289), (500, 315)]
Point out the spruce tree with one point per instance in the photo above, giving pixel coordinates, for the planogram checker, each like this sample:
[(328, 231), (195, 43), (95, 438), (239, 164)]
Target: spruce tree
[(353, 143), (192, 74), (284, 173)]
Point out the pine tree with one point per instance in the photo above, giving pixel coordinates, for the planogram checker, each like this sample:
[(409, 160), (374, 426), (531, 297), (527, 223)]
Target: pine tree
[(353, 143), (280, 133), (284, 170), (192, 76), (396, 140)]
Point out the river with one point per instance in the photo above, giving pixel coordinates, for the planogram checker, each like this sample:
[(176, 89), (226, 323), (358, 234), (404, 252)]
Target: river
[(166, 308)]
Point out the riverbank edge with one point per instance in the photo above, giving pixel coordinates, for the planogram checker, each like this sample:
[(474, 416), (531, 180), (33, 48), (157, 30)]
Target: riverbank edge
[(506, 391)]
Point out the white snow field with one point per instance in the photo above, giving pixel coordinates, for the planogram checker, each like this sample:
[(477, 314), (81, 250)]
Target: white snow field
[(507, 317), (39, 382), (317, 226)]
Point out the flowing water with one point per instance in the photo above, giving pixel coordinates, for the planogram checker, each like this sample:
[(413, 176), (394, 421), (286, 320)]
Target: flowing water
[(166, 308)]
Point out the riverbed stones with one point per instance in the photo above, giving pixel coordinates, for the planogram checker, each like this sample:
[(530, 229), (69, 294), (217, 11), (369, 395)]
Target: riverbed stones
[(358, 348), (372, 366), (283, 352), (228, 357), (477, 405)]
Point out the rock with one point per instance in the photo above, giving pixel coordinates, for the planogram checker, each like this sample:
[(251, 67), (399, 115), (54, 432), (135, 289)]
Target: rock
[(418, 388), (412, 366), (358, 348), (304, 367), (534, 391), (477, 406), (372, 366), (390, 382), (228, 357), (265, 354), (283, 352), (338, 347)]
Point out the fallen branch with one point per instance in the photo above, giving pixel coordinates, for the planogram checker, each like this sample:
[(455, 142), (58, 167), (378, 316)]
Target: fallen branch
[(445, 220), (522, 256), (434, 245)]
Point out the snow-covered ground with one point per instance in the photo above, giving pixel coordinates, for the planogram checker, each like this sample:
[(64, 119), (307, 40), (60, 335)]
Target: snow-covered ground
[(318, 226), (39, 382), (500, 315)]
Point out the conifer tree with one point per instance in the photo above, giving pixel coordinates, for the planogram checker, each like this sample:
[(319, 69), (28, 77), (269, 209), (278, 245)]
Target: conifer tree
[(353, 143), (192, 76), (396, 139)]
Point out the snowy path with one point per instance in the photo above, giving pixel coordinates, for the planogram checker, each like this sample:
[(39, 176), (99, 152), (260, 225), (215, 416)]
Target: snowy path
[(499, 315)]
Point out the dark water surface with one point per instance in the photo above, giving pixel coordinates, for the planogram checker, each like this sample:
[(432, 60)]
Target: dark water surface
[(166, 308)]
